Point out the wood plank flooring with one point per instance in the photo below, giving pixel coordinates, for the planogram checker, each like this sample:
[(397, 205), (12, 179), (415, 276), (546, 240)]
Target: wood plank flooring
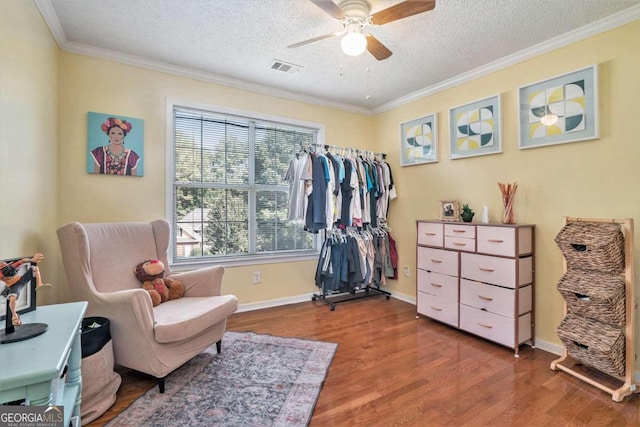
[(392, 369)]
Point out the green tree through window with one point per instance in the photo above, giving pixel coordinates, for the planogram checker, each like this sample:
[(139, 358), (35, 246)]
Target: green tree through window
[(229, 195)]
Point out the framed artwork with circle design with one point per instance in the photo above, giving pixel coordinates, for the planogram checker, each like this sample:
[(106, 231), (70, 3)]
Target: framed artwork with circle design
[(559, 110), (474, 129), (419, 141)]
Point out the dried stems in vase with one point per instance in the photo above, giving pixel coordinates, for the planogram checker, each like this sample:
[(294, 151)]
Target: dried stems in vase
[(508, 193)]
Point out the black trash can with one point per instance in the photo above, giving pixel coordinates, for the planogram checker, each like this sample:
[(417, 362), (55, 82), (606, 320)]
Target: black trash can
[(96, 332), (99, 381)]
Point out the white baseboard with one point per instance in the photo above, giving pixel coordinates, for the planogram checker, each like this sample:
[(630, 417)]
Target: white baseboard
[(274, 302), (303, 298), (411, 299), (549, 347)]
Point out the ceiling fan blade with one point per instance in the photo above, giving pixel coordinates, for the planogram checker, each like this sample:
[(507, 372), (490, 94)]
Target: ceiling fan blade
[(402, 10), (377, 49), (315, 39), (330, 8)]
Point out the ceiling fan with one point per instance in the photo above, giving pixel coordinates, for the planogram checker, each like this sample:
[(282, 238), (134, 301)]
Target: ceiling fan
[(354, 15)]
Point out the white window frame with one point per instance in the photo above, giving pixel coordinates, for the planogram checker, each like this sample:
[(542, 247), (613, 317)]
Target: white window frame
[(170, 175)]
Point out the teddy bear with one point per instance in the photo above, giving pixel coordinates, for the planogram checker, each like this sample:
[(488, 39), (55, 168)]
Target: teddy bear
[(161, 289)]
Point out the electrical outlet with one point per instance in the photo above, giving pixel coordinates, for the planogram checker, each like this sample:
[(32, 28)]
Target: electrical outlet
[(257, 277), (407, 273)]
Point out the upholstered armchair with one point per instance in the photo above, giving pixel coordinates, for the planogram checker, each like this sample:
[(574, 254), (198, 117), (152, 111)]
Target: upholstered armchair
[(99, 260)]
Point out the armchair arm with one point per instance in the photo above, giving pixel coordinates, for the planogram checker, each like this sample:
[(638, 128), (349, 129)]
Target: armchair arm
[(202, 282), (126, 308)]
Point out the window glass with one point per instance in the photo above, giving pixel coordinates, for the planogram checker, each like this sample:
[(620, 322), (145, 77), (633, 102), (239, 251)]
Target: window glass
[(229, 197)]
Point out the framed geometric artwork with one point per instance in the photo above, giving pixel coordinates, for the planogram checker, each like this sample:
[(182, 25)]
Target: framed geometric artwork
[(115, 145), (419, 141), (559, 110), (474, 129)]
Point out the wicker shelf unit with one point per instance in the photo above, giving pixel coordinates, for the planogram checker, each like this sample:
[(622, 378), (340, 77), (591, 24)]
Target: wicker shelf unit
[(599, 310)]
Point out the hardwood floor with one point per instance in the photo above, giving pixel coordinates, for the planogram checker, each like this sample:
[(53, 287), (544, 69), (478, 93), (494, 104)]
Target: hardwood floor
[(392, 369)]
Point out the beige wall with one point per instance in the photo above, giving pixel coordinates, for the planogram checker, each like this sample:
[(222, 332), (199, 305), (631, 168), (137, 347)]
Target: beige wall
[(592, 179), (586, 179), (28, 137), (89, 84)]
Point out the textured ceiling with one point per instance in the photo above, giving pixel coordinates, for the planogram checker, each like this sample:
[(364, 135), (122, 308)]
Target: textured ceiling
[(236, 41)]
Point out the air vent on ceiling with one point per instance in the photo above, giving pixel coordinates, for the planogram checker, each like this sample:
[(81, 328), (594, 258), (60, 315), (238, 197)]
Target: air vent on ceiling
[(285, 67)]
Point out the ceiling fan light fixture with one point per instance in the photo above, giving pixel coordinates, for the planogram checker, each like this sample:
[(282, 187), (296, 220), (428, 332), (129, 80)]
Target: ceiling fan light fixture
[(353, 43)]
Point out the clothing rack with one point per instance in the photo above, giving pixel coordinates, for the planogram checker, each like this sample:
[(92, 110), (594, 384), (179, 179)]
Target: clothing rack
[(367, 154), (331, 297), (350, 201), (366, 292)]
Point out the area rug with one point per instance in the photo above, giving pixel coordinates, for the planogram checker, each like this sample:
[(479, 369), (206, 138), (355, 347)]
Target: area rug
[(257, 380)]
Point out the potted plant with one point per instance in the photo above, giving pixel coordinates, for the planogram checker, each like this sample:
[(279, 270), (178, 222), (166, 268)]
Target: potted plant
[(467, 213)]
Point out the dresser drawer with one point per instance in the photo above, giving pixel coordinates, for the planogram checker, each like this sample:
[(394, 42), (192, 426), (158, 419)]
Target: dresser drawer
[(495, 327), (438, 260), (495, 270), (438, 284), (430, 234), (502, 240), (494, 299), (460, 243), (438, 308), (457, 230)]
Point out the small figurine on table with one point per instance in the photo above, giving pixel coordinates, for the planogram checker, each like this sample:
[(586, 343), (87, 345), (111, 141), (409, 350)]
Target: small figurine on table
[(15, 282)]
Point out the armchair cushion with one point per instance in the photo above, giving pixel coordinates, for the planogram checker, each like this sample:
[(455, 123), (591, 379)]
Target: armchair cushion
[(181, 319)]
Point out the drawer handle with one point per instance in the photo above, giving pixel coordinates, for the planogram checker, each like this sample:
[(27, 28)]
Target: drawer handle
[(484, 325), (485, 298), (489, 270), (436, 261), (435, 285), (459, 244), (436, 308), (495, 240), (429, 234), (458, 231)]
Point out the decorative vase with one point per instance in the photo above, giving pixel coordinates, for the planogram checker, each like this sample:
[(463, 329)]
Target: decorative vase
[(508, 193), (508, 216), (467, 217)]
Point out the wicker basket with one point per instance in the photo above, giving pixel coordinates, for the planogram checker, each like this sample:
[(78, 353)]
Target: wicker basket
[(594, 343), (595, 246), (595, 295)]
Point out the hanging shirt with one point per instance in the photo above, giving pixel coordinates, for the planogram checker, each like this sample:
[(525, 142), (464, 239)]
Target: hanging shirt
[(315, 219), (296, 176)]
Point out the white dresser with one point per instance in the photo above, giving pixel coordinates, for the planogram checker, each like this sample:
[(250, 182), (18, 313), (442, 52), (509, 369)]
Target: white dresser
[(479, 278)]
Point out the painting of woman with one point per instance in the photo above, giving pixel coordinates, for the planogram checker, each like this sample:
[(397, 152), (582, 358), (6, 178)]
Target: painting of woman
[(114, 158)]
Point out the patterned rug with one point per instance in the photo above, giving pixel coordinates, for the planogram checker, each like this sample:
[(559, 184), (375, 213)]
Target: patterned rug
[(257, 380)]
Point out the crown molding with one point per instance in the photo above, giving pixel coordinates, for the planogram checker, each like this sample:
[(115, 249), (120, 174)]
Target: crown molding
[(136, 61), (616, 20), (613, 21), (51, 18)]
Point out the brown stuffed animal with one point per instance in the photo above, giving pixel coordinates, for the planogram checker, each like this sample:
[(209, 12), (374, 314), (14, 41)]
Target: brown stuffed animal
[(160, 288)]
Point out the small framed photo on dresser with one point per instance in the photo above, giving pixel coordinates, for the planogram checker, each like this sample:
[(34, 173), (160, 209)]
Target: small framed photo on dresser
[(449, 210)]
